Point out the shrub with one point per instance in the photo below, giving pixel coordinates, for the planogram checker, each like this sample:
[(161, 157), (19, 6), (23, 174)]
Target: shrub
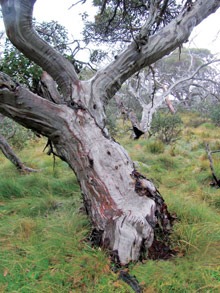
[(16, 134), (196, 122), (166, 127), (214, 114), (155, 147)]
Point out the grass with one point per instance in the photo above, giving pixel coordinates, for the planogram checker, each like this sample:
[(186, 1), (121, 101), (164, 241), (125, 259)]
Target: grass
[(43, 232)]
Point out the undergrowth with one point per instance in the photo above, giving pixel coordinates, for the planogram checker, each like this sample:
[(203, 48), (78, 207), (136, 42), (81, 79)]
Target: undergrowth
[(43, 230)]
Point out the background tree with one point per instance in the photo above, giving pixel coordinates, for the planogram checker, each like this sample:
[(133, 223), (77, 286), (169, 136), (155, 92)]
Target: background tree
[(126, 210), (200, 65), (189, 79)]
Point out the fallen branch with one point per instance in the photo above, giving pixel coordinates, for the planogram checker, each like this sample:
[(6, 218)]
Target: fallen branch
[(209, 153), (10, 154)]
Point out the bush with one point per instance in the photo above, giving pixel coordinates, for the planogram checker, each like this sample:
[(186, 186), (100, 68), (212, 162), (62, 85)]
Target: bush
[(166, 127), (214, 114), (16, 134), (156, 147), (196, 122)]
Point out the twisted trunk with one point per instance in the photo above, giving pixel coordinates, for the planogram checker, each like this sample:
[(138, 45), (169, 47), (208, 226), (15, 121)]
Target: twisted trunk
[(123, 205)]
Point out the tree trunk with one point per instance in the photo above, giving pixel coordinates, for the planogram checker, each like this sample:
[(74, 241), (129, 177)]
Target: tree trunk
[(124, 206)]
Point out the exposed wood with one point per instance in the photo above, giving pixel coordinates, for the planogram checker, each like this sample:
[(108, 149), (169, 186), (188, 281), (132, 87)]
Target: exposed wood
[(48, 89)]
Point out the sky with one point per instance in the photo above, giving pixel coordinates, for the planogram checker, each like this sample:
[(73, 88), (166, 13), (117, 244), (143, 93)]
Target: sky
[(62, 12), (206, 35)]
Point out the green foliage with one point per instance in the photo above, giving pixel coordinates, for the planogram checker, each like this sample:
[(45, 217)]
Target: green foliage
[(18, 135), (97, 55), (166, 127), (214, 114), (43, 233), (118, 20), (54, 34), (155, 147), (20, 68), (24, 71)]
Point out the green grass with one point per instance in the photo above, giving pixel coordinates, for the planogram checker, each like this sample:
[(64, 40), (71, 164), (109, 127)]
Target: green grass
[(43, 232)]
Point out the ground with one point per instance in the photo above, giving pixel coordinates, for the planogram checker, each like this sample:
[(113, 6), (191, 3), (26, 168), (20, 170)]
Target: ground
[(44, 232)]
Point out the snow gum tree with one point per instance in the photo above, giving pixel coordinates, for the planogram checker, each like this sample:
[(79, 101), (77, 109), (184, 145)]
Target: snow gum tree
[(125, 208)]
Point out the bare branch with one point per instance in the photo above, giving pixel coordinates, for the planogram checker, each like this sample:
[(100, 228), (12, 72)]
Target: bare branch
[(48, 89), (184, 79), (28, 109), (74, 4)]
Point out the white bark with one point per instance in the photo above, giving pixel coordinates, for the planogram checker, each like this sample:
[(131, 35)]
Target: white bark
[(140, 88)]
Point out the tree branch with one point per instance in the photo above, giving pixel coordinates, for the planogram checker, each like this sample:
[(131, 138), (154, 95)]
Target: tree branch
[(29, 109), (17, 15), (48, 89), (11, 156), (186, 78), (167, 39)]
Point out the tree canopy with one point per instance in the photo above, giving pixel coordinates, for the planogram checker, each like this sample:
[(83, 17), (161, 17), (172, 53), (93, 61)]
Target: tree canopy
[(119, 20)]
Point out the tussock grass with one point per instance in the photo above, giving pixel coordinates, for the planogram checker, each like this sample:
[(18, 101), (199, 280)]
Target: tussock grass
[(43, 232)]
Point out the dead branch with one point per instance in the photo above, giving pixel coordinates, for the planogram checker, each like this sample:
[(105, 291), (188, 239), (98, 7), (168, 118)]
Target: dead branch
[(209, 153), (11, 156)]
